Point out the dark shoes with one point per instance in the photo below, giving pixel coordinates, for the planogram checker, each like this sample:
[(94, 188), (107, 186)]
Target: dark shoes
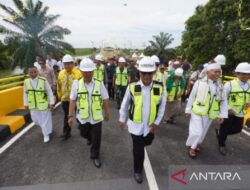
[(65, 137), (138, 177), (89, 142), (223, 150), (97, 162)]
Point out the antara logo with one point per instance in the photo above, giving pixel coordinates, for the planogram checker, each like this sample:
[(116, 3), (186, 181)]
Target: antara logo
[(179, 176)]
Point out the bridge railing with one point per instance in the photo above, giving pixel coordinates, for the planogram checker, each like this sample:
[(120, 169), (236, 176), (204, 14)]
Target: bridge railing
[(13, 81)]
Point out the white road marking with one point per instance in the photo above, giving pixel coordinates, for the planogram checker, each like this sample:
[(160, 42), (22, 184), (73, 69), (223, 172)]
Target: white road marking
[(18, 135), (149, 173), (246, 132)]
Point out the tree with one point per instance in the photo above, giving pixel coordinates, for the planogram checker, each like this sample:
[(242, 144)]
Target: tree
[(34, 31), (160, 43), (4, 59), (215, 29)]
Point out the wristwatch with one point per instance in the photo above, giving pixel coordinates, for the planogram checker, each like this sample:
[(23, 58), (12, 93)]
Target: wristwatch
[(69, 116)]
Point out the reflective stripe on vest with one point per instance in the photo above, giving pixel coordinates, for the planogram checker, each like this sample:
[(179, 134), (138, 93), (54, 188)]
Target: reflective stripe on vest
[(136, 104), (172, 95), (121, 77), (210, 108), (37, 98), (238, 97), (83, 101), (99, 73)]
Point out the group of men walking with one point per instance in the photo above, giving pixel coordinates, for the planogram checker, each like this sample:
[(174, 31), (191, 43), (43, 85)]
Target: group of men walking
[(83, 96)]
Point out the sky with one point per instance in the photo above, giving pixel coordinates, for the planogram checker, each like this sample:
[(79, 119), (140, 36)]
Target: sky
[(120, 23)]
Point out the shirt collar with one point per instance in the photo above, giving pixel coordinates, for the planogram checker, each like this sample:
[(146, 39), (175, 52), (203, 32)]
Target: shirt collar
[(142, 85), (240, 82)]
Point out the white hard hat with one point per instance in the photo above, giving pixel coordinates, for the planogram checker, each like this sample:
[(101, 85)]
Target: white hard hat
[(221, 59), (176, 62), (122, 60), (87, 65), (155, 59), (205, 65), (146, 65), (243, 68), (67, 58), (98, 57), (178, 72)]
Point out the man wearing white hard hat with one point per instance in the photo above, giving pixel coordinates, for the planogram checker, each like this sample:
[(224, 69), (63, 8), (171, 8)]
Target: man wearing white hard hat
[(207, 102), (64, 83), (90, 98), (158, 76), (238, 95), (120, 80), (144, 103), (175, 88), (99, 72)]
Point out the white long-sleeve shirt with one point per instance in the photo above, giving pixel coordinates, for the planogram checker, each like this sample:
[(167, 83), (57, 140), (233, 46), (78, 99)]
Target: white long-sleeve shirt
[(34, 85), (223, 104), (245, 86), (141, 128), (89, 87)]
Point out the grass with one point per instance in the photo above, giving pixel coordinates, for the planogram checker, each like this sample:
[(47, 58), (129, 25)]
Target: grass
[(84, 51)]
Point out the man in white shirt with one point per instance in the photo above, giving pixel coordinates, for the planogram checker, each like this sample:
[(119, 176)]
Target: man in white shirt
[(50, 62), (145, 102), (237, 93), (206, 103), (90, 97), (38, 98)]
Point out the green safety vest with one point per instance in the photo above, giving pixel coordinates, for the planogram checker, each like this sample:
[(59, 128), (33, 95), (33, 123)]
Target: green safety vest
[(83, 106), (158, 76), (99, 73), (37, 98), (210, 108), (172, 95), (121, 77), (238, 97), (135, 109)]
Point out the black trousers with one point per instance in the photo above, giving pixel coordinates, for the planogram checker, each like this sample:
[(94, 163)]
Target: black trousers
[(111, 90), (120, 92), (66, 127), (231, 125), (139, 142), (93, 133)]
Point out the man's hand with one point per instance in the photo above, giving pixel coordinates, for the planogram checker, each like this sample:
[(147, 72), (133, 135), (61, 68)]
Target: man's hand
[(231, 112), (153, 128), (220, 120), (246, 106), (70, 121), (122, 125), (106, 116), (51, 107)]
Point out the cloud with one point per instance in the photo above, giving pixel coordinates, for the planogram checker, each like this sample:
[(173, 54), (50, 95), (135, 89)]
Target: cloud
[(111, 23)]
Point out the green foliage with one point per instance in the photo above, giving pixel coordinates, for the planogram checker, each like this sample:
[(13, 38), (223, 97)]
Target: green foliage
[(4, 58), (215, 29), (84, 51), (159, 44), (35, 32)]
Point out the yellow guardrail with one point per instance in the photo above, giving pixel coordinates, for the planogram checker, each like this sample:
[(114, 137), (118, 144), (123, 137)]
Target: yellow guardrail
[(228, 78), (9, 82)]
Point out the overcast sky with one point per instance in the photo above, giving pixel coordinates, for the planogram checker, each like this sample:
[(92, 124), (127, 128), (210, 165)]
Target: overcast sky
[(123, 23)]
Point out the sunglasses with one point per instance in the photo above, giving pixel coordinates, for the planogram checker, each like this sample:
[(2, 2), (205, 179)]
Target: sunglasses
[(147, 73)]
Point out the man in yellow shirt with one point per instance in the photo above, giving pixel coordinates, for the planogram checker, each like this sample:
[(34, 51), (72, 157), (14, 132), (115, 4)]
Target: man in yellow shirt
[(64, 84)]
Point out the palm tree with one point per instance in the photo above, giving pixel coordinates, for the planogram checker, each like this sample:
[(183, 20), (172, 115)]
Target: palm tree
[(35, 30), (159, 43)]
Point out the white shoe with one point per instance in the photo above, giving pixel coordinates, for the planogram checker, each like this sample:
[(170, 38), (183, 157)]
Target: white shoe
[(46, 139)]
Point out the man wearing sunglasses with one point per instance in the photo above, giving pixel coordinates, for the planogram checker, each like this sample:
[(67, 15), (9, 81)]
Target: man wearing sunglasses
[(145, 102)]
